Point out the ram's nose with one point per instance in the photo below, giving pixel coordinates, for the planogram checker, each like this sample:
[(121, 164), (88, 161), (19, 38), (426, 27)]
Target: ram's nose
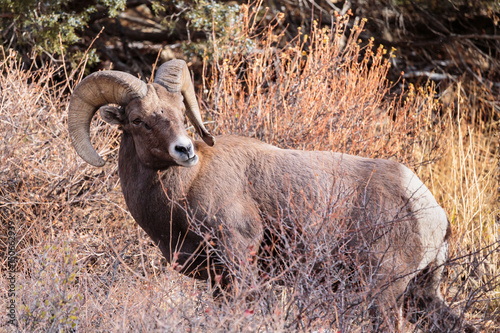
[(185, 149)]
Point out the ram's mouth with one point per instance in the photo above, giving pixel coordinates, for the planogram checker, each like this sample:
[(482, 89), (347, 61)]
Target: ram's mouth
[(189, 162)]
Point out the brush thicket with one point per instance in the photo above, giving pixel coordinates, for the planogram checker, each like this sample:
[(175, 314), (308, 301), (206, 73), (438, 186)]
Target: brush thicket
[(83, 263)]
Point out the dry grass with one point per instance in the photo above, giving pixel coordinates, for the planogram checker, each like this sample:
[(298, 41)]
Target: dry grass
[(83, 263)]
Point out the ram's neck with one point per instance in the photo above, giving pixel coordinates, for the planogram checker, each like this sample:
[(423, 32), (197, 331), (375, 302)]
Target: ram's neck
[(133, 175), (156, 201)]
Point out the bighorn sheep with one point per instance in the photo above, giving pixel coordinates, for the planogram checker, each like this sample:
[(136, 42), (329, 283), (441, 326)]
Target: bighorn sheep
[(169, 181)]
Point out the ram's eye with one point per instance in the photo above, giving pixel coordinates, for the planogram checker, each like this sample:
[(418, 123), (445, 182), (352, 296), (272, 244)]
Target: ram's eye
[(137, 121)]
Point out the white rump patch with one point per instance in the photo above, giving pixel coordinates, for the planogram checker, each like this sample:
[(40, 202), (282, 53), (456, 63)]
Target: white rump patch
[(432, 220)]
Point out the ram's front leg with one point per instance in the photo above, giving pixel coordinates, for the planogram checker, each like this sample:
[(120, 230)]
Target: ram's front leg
[(234, 255)]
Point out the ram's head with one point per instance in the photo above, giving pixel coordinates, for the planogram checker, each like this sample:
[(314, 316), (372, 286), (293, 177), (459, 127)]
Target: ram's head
[(153, 114)]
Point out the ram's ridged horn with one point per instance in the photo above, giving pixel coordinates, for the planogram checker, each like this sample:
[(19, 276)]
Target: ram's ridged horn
[(96, 90), (174, 76)]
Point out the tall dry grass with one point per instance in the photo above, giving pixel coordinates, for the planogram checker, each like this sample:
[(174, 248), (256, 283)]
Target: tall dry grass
[(84, 265)]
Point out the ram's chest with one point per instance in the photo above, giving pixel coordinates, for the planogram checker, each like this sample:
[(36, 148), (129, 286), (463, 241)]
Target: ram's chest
[(143, 203), (166, 219)]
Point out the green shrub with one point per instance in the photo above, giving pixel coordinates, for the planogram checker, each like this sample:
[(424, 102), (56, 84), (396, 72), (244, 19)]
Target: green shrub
[(35, 27)]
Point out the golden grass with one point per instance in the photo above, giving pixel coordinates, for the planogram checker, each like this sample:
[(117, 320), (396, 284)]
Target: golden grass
[(83, 263), (465, 182)]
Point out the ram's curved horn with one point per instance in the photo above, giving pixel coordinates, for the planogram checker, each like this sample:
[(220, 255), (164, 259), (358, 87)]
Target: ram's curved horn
[(96, 90), (174, 76)]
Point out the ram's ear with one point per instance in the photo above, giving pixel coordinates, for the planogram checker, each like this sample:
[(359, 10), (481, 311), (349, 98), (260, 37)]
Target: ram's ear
[(114, 115)]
